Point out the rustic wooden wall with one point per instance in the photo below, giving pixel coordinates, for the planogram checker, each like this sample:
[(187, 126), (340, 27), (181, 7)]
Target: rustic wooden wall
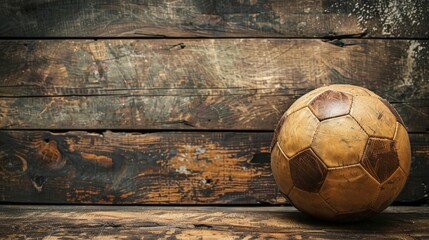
[(175, 102)]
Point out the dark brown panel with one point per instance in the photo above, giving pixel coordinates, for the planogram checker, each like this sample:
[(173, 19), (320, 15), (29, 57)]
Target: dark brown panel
[(380, 158), (221, 18), (331, 104), (167, 167), (308, 172)]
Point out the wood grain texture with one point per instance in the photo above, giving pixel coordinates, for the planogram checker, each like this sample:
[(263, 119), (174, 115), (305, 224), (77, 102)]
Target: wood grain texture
[(154, 168), (222, 18), (395, 69), (37, 222), (170, 167), (221, 83)]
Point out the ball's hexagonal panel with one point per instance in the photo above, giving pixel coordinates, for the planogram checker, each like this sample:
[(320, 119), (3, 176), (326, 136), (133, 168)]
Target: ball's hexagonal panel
[(375, 118), (308, 172), (351, 89), (402, 145), (349, 189), (390, 190), (311, 203), (277, 130), (380, 158), (297, 131), (392, 110), (304, 100), (330, 104), (281, 170), (339, 141)]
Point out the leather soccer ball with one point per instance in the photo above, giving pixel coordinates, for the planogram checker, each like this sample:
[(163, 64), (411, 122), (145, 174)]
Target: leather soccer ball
[(341, 153)]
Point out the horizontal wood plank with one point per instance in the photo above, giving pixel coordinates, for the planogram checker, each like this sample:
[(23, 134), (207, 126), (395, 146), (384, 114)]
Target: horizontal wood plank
[(154, 168), (224, 18), (395, 69), (233, 112), (40, 222), (207, 84)]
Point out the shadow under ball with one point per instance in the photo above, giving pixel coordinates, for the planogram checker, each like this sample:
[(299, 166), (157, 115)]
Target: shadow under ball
[(341, 153)]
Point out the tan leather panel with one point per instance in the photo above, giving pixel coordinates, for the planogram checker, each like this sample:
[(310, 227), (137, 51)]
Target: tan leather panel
[(312, 204), (339, 141), (375, 118), (297, 132), (403, 148), (390, 190), (349, 189), (281, 171)]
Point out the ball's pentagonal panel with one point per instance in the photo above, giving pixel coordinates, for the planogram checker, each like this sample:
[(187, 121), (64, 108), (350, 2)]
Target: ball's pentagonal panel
[(280, 169), (375, 118), (380, 158), (389, 190), (277, 130), (330, 104), (349, 189), (303, 101), (311, 203), (297, 131), (403, 148), (339, 141), (308, 172), (354, 91), (393, 111)]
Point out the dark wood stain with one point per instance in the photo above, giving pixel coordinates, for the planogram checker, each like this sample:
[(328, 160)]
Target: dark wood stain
[(380, 158), (330, 104), (165, 167), (307, 170), (222, 18)]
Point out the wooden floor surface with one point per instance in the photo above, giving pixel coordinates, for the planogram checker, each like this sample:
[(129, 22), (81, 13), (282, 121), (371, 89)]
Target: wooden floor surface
[(134, 222)]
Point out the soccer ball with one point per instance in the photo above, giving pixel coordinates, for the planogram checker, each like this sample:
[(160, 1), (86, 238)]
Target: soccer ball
[(341, 153)]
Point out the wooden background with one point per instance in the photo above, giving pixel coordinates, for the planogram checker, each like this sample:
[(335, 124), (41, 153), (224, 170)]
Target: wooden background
[(175, 102)]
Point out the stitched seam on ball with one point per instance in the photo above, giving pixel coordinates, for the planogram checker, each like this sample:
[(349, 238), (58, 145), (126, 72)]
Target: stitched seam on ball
[(281, 151)]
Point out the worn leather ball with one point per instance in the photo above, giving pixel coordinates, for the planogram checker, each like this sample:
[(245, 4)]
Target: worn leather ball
[(341, 153)]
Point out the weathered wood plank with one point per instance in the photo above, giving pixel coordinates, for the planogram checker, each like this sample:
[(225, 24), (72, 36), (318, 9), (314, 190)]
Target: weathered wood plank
[(40, 222), (154, 168), (185, 168), (395, 69), (224, 18), (230, 112), (209, 84)]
